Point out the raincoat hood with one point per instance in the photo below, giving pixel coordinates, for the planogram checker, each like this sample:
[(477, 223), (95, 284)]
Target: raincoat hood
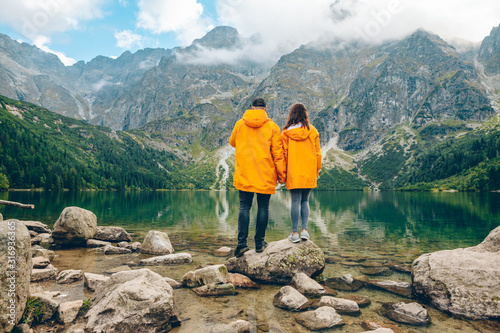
[(298, 134), (255, 118)]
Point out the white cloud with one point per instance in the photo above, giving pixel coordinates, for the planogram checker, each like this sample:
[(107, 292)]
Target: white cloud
[(42, 41), (33, 18), (126, 39), (183, 17), (284, 25)]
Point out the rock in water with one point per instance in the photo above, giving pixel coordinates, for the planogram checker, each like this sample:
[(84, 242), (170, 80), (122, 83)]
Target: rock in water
[(74, 227), (406, 313), (279, 262), (307, 286), (15, 272), (290, 299), (216, 274), (157, 242), (462, 281), (131, 302), (112, 234), (319, 319)]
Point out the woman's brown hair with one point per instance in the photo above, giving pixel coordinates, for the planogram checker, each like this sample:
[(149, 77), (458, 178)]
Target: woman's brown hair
[(298, 114)]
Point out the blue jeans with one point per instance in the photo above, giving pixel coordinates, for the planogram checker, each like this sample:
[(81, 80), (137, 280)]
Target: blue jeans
[(300, 207), (246, 199)]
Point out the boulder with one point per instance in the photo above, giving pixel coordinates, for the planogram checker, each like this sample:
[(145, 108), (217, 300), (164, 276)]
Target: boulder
[(47, 273), (112, 234), (239, 326), (400, 288), (209, 275), (110, 249), (41, 252), (241, 281), (40, 262), (93, 243), (307, 286), (463, 282), (290, 299), (346, 282), (133, 301), (406, 313), (74, 226), (37, 227), (224, 289), (342, 306), (222, 252), (15, 272), (320, 319), (69, 276), (279, 262), (134, 247), (68, 311), (157, 242), (93, 281), (169, 259)]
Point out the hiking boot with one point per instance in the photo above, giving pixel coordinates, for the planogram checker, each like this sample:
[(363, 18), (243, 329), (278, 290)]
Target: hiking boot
[(304, 235), (240, 251), (294, 237), (261, 247)]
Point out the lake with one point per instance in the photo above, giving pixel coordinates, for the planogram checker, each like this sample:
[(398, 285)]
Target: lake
[(384, 226)]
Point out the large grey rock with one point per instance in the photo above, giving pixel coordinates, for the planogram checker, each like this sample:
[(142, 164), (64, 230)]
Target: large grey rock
[(222, 289), (399, 288), (169, 259), (239, 326), (464, 282), (320, 319), (47, 273), (15, 272), (37, 227), (216, 274), (74, 226), (290, 299), (94, 281), (307, 286), (157, 242), (40, 262), (133, 301), (68, 311), (69, 276), (342, 306), (406, 313), (112, 234), (279, 262)]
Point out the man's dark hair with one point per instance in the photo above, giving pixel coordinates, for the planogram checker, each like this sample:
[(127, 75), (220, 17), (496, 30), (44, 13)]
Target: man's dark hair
[(259, 102)]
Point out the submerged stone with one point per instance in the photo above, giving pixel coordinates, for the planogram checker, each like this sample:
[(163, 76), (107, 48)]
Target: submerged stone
[(322, 318)]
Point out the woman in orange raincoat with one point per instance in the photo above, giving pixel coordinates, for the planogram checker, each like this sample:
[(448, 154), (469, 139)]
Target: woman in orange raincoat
[(303, 161)]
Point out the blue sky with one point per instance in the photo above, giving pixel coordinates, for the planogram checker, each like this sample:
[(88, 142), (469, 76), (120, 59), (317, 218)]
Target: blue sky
[(82, 29)]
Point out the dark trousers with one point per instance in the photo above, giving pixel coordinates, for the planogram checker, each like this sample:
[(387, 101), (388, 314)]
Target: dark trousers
[(246, 199)]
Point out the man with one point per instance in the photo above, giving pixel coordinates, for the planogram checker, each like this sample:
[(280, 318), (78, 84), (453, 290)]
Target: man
[(259, 164)]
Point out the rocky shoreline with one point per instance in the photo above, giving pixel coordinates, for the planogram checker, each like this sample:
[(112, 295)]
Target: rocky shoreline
[(461, 282)]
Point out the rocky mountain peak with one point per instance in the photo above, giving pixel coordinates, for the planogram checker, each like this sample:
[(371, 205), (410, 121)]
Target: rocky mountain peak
[(489, 53), (220, 38)]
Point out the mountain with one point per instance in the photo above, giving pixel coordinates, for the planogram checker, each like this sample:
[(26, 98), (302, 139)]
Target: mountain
[(380, 109)]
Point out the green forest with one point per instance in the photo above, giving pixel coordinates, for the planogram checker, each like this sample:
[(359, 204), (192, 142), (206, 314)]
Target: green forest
[(42, 149)]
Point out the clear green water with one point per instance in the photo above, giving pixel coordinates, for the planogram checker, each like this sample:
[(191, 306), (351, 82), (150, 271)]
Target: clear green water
[(383, 226)]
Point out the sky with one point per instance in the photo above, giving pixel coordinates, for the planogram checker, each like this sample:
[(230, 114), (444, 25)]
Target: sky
[(83, 29)]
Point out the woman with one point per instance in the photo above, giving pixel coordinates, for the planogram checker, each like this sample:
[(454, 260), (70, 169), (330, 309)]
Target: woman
[(303, 162)]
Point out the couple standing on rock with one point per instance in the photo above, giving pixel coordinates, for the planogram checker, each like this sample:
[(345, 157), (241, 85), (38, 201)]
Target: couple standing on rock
[(264, 156)]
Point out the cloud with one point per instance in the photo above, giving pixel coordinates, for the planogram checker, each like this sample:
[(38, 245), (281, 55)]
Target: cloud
[(126, 39), (33, 18), (42, 41), (182, 17), (284, 25)]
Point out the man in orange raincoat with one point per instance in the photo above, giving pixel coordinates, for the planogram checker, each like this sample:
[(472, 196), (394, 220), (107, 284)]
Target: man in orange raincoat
[(259, 164)]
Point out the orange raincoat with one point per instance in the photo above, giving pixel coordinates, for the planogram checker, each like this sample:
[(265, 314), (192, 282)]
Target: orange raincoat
[(302, 157), (259, 153)]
